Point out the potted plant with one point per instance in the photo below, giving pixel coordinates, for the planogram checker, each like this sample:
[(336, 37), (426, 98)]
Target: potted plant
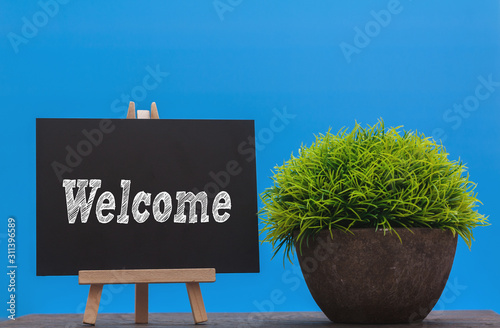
[(374, 215)]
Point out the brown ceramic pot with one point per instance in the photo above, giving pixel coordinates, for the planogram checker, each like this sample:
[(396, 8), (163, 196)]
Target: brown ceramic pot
[(370, 277)]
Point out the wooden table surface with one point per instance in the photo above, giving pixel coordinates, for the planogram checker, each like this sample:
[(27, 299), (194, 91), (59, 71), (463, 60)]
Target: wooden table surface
[(448, 319)]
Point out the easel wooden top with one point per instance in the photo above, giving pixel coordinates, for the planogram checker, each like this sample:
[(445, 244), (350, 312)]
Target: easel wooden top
[(131, 111)]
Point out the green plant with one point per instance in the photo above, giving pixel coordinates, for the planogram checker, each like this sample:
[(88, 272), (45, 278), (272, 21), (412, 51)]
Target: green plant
[(368, 178)]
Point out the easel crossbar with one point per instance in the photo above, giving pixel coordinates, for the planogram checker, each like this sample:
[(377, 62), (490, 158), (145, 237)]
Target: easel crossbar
[(88, 277)]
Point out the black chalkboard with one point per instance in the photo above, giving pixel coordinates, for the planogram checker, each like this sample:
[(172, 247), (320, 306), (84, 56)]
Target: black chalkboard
[(205, 166)]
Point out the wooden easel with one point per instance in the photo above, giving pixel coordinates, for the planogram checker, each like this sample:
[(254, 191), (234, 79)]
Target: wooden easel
[(142, 278)]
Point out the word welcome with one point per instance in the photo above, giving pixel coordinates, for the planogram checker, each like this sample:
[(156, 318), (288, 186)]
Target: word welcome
[(161, 208)]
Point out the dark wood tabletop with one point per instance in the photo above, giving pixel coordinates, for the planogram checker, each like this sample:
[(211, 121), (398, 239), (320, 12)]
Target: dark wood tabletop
[(437, 319)]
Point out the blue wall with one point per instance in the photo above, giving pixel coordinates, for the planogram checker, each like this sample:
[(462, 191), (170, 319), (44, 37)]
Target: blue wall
[(326, 63)]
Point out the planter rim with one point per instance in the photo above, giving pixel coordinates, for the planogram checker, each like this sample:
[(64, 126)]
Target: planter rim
[(409, 229)]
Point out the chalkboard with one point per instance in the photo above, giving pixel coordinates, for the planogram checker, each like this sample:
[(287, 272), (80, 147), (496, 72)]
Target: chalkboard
[(145, 194)]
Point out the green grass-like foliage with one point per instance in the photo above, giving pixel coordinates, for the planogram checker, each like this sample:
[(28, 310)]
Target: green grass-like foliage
[(368, 178)]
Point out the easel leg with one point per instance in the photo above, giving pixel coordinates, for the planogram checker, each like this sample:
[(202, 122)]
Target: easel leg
[(196, 300), (141, 303), (92, 307)]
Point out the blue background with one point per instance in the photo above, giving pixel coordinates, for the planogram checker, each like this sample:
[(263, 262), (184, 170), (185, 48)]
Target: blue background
[(249, 60)]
